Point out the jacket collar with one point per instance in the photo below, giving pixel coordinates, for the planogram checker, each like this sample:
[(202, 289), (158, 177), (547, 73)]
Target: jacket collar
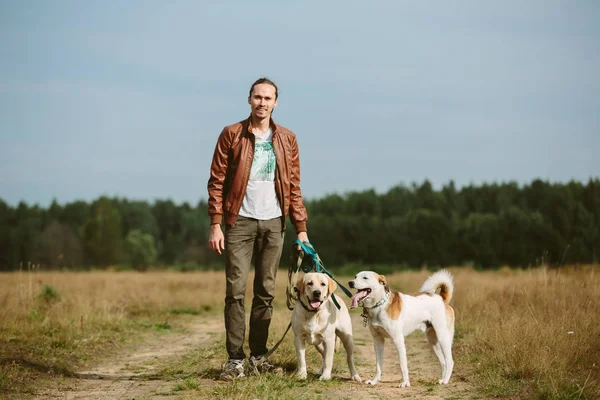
[(272, 124)]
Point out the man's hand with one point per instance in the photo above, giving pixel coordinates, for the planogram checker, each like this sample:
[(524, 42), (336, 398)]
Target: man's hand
[(303, 237), (216, 240)]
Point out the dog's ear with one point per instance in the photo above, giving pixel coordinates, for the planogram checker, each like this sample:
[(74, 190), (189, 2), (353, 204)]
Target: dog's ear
[(383, 281), (332, 286), (300, 285)]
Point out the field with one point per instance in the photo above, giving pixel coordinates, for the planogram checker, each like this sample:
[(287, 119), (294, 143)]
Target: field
[(521, 334)]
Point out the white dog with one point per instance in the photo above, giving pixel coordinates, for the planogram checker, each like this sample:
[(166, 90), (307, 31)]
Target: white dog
[(316, 320), (394, 315)]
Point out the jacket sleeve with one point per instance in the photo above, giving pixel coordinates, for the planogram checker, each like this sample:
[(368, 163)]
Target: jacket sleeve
[(216, 182), (297, 211)]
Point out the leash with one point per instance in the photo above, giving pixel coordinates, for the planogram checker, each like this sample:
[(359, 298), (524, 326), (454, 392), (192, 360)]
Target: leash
[(272, 350), (291, 290), (305, 264), (307, 260)]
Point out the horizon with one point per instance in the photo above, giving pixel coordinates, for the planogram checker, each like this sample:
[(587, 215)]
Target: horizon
[(409, 186)]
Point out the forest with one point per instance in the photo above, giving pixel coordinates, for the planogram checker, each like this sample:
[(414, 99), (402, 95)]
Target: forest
[(409, 226)]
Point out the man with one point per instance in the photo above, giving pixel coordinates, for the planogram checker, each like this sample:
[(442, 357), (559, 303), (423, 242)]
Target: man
[(254, 185)]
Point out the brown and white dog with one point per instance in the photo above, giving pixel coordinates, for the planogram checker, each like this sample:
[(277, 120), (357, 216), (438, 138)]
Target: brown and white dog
[(316, 320), (394, 315)]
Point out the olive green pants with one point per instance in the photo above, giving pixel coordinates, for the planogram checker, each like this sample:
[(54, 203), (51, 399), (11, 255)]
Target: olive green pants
[(262, 241)]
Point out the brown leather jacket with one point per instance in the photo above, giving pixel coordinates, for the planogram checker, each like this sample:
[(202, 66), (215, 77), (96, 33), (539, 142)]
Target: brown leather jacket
[(230, 171)]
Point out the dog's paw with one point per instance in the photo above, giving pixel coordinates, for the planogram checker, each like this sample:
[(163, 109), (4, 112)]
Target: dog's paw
[(301, 375), (404, 384), (371, 382), (442, 382), (356, 378), (325, 377)]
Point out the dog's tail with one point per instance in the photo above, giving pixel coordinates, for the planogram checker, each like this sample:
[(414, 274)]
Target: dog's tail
[(442, 281)]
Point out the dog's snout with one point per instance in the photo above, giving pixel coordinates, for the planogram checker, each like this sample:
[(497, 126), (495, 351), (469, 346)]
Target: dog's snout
[(351, 284), (317, 293)]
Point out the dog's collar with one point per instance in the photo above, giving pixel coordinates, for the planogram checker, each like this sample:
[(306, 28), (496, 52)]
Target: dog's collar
[(365, 313), (380, 302)]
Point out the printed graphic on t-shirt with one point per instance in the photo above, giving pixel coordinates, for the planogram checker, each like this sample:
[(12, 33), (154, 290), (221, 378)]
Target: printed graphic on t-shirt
[(263, 166), (260, 201)]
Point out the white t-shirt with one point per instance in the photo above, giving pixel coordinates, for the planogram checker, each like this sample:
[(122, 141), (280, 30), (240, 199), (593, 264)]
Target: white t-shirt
[(260, 201)]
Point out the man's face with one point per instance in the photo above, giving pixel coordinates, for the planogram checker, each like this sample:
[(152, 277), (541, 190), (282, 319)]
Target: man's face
[(262, 100)]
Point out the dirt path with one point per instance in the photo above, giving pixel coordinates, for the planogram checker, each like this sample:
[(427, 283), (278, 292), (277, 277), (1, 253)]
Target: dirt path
[(134, 375)]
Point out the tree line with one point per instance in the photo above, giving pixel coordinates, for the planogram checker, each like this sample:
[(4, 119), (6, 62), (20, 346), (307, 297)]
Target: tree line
[(488, 225)]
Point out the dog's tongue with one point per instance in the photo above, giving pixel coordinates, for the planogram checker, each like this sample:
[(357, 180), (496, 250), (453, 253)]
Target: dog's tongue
[(357, 297), (315, 303)]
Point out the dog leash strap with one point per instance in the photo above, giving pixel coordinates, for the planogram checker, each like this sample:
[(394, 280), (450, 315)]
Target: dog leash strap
[(307, 264), (263, 358), (335, 302), (317, 264)]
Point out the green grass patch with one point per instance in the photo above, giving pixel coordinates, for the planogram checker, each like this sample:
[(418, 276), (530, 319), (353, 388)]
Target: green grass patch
[(164, 326), (49, 294), (185, 310)]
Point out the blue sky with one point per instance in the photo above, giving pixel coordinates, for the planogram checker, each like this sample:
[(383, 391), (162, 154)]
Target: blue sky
[(127, 98)]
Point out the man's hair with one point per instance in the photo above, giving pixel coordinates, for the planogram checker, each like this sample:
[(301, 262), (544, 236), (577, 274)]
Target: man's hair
[(267, 81)]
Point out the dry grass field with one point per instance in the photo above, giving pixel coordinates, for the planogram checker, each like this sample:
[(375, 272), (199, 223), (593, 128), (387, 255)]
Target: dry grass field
[(521, 334)]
